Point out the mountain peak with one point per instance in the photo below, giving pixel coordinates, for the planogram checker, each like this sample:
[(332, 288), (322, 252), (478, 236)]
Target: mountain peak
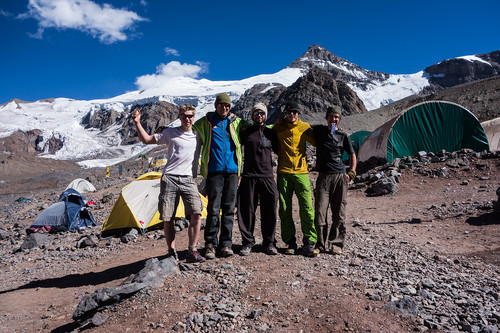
[(318, 56), (341, 69)]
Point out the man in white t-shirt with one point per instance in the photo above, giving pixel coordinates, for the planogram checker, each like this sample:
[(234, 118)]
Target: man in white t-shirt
[(178, 176)]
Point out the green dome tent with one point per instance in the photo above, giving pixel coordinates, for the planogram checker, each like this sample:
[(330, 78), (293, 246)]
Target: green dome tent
[(357, 139), (429, 126)]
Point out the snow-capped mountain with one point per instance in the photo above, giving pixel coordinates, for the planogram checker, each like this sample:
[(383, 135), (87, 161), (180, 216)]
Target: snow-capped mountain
[(377, 89), (67, 120)]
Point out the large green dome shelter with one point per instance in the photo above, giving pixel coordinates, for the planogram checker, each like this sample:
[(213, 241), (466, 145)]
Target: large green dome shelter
[(429, 126)]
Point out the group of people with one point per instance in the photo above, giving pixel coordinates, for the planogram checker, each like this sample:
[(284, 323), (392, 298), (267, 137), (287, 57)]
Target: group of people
[(223, 139)]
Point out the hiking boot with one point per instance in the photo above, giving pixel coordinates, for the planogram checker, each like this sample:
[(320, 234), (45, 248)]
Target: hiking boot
[(245, 251), (291, 249), (172, 253), (270, 249), (321, 249), (194, 256), (227, 251), (336, 251), (310, 251), (209, 251)]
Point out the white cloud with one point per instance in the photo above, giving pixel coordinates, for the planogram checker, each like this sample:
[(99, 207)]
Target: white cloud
[(164, 72), (4, 13), (104, 22), (169, 51)]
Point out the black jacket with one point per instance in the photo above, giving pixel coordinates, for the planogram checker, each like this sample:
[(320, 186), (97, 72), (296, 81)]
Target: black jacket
[(258, 144)]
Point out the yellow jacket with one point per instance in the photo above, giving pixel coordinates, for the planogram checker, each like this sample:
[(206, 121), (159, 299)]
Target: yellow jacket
[(292, 138)]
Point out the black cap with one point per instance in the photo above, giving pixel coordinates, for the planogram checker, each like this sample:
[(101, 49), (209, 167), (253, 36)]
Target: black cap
[(292, 106)]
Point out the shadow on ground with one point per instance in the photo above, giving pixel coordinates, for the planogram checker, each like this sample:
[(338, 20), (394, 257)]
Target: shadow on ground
[(484, 219), (90, 278)]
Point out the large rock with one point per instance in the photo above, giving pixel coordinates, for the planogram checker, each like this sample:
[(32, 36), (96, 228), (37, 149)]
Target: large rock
[(103, 119), (314, 92), (35, 240), (260, 93), (30, 142), (102, 297), (406, 305), (383, 186), (151, 276), (496, 205), (153, 116)]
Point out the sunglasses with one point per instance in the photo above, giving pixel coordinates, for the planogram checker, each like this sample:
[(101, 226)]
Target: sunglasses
[(184, 116), (259, 113), (224, 105), (291, 111)]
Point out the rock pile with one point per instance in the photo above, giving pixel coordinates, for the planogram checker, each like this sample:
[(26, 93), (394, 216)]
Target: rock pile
[(381, 178), (447, 294)]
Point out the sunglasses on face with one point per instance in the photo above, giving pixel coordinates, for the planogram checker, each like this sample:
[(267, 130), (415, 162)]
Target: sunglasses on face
[(292, 111), (184, 116), (223, 105), (259, 113)]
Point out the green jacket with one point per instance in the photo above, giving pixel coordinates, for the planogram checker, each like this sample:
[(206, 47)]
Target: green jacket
[(204, 129)]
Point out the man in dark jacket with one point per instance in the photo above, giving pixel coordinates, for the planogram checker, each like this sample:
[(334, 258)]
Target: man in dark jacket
[(332, 182), (257, 182)]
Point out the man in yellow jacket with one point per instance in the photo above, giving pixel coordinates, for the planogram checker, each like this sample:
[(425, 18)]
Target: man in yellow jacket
[(293, 176)]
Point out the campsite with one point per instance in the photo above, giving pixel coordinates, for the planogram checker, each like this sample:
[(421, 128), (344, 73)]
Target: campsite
[(434, 241), (97, 106)]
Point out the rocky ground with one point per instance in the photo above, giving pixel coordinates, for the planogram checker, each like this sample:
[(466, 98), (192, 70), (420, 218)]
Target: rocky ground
[(425, 258)]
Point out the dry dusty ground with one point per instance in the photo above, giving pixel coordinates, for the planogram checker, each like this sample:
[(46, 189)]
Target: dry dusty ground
[(39, 291)]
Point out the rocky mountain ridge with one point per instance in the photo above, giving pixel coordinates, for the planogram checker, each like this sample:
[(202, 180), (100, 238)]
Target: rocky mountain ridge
[(340, 69), (327, 79), (452, 72), (313, 92)]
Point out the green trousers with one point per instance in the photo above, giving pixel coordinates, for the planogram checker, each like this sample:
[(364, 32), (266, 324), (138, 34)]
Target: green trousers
[(300, 185)]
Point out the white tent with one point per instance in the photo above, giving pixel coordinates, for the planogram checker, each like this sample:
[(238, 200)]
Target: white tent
[(492, 130), (81, 185)]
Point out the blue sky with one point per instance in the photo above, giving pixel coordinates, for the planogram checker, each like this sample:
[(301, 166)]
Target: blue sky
[(89, 49)]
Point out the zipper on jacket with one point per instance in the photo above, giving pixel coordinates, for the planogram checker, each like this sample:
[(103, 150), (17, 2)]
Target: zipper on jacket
[(223, 147), (293, 150)]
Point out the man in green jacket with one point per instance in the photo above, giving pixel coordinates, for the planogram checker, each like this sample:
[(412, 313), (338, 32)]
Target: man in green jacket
[(221, 165)]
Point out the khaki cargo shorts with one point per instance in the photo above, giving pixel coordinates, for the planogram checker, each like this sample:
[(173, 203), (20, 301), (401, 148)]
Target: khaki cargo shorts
[(174, 187)]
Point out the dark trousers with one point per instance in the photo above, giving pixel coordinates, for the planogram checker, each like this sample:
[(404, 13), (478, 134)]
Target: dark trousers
[(331, 189), (251, 188), (221, 190)]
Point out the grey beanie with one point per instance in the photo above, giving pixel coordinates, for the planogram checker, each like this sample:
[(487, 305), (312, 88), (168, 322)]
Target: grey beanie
[(259, 106), (333, 109)]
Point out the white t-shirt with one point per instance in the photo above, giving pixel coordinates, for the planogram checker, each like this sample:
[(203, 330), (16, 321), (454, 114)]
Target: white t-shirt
[(183, 151)]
